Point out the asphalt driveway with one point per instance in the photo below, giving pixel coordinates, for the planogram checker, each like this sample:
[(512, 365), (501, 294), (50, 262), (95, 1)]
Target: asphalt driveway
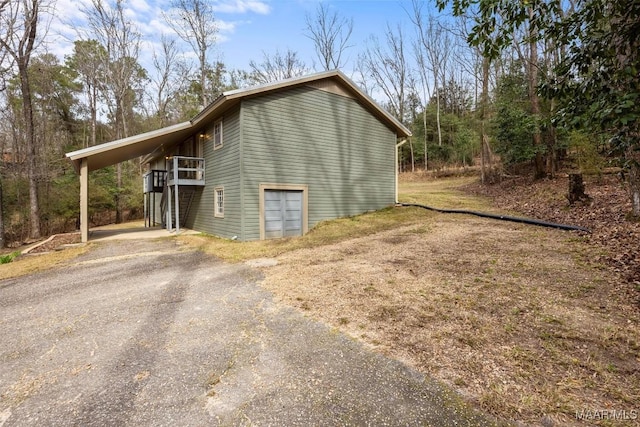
[(152, 333)]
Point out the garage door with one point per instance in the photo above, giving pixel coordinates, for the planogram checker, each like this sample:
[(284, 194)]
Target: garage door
[(282, 213)]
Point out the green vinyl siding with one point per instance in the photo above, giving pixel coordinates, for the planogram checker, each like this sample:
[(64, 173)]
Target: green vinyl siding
[(221, 170), (326, 141)]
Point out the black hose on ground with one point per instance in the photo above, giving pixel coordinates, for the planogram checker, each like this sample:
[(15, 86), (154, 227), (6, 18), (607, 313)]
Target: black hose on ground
[(501, 217)]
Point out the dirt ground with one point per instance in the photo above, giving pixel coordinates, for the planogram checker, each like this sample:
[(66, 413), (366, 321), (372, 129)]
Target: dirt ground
[(56, 243), (518, 319)]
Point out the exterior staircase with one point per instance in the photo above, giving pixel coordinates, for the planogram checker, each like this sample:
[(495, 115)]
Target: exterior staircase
[(186, 194), (184, 176)]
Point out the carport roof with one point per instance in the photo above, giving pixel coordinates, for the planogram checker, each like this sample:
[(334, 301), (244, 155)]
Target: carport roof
[(148, 143), (110, 153)]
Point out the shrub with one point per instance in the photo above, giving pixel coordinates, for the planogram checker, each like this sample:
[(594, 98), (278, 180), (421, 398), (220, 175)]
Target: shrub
[(5, 259)]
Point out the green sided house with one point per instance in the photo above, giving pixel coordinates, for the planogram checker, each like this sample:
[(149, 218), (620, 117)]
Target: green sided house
[(263, 162)]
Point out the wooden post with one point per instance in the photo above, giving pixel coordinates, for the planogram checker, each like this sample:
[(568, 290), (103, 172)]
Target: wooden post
[(84, 201)]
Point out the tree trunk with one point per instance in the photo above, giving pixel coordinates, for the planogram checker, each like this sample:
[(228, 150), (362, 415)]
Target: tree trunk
[(533, 96), (119, 134), (2, 242), (488, 174), (413, 162), (438, 116), (93, 100), (634, 184), (118, 199), (27, 109), (426, 154), (203, 80), (576, 189)]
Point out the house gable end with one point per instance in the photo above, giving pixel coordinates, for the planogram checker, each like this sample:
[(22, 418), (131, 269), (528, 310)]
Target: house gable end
[(331, 86)]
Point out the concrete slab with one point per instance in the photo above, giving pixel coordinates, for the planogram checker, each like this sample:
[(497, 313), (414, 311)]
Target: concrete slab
[(110, 233)]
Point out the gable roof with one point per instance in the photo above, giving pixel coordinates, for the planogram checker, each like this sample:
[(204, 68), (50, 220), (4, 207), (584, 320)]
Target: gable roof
[(148, 143)]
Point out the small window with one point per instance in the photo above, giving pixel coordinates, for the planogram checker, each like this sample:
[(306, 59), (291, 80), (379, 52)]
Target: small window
[(219, 208), (217, 134)]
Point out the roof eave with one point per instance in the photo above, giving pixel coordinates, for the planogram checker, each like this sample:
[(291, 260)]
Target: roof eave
[(401, 130), (122, 144), (125, 149)]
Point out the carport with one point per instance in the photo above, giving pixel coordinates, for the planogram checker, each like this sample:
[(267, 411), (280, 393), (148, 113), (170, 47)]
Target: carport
[(111, 232), (111, 153)]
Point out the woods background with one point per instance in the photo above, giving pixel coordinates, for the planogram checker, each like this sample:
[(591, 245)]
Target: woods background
[(513, 88)]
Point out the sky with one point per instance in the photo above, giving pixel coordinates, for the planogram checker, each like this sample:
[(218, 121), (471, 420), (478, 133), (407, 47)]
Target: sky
[(247, 28)]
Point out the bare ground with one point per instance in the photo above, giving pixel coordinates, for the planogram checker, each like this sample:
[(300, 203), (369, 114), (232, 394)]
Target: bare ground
[(520, 320)]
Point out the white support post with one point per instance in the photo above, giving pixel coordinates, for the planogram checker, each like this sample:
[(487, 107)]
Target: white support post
[(84, 201), (168, 212), (177, 202), (177, 199)]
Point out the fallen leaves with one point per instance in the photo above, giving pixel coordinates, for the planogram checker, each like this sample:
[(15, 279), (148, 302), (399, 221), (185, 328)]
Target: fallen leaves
[(614, 237)]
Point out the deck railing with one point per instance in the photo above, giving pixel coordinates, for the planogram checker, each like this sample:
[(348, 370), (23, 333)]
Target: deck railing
[(186, 170)]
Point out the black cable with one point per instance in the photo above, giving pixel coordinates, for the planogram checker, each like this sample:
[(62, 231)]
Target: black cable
[(502, 217)]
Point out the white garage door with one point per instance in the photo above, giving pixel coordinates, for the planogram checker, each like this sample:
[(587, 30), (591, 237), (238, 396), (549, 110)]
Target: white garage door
[(282, 213)]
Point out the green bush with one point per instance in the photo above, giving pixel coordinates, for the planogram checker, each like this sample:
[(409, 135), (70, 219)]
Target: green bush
[(514, 135), (585, 153), (5, 259), (466, 144)]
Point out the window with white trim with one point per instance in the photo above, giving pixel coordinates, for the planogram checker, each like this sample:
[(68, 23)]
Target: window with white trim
[(219, 202), (217, 134)]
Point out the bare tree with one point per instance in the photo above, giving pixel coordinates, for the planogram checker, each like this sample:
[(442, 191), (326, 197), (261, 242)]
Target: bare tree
[(330, 35), (432, 52), (525, 44), (19, 21), (388, 69), (88, 60), (167, 81), (489, 171), (3, 143), (426, 94), (277, 67), (194, 22), (121, 43)]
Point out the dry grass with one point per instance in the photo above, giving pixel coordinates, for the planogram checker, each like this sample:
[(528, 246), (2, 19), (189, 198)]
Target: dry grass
[(28, 264), (509, 315), (438, 193), (443, 193), (325, 233), (35, 262)]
